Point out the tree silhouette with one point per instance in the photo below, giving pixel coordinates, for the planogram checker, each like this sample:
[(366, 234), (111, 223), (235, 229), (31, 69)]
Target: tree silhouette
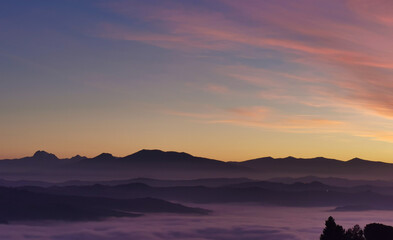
[(332, 231), (372, 231), (355, 233), (377, 231)]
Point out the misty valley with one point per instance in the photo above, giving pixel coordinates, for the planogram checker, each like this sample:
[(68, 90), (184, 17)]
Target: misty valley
[(44, 191)]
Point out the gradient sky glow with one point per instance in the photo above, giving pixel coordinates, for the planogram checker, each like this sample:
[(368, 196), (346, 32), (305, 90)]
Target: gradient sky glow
[(224, 79)]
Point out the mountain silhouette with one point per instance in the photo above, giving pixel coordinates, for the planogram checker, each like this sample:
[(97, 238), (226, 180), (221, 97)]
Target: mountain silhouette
[(44, 156), (180, 165), (176, 160), (290, 166)]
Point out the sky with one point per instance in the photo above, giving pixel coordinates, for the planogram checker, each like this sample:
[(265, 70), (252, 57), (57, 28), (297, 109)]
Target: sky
[(224, 79)]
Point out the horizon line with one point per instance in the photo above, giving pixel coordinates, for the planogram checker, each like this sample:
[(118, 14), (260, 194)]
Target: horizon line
[(182, 152)]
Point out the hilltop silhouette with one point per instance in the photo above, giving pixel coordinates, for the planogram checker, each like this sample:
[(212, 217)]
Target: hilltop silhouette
[(179, 165)]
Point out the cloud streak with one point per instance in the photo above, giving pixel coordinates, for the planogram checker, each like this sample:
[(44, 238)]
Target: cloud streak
[(349, 42), (265, 118)]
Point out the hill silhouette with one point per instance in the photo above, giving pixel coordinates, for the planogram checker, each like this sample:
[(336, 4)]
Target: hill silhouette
[(179, 165), (268, 193), (21, 205)]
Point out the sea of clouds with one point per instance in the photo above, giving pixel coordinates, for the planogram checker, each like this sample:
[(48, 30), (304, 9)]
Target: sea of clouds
[(227, 222)]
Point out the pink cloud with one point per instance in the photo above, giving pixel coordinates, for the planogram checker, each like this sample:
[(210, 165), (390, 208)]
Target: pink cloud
[(350, 48), (378, 10)]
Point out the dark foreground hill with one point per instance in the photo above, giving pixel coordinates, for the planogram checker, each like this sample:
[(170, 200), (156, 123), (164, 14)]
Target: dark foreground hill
[(22, 205), (175, 165)]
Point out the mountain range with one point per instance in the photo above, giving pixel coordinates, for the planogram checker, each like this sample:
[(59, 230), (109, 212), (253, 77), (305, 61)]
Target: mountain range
[(178, 165)]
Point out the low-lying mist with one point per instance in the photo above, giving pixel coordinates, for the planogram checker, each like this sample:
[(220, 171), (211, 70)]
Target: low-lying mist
[(227, 222)]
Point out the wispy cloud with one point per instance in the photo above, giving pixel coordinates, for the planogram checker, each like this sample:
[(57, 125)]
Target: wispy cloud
[(215, 88), (377, 11), (265, 118), (330, 55)]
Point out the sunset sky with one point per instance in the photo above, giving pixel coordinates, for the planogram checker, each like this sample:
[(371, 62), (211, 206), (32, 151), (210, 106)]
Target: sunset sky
[(230, 80)]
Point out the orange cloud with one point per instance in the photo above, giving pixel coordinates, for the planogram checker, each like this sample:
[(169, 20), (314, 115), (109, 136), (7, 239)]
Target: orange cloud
[(264, 118)]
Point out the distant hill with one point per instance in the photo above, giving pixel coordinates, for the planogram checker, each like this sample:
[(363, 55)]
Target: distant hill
[(208, 182), (145, 163), (334, 181), (22, 205), (319, 166), (176, 165), (268, 193), (158, 160)]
